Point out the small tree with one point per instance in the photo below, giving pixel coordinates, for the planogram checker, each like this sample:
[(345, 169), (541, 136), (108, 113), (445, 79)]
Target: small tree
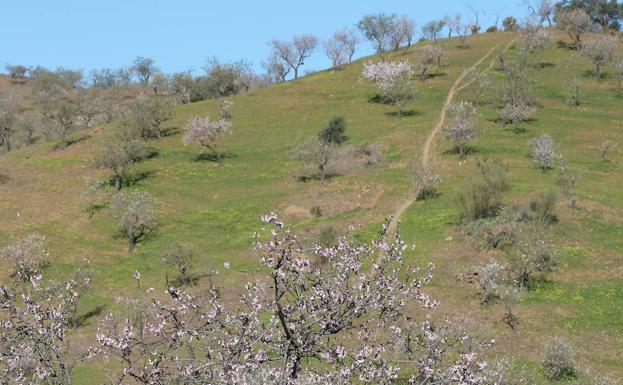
[(574, 91), (205, 132), (516, 112), (600, 49), (135, 212), (317, 154), (333, 133), (574, 22), (377, 29), (532, 255), (462, 130), (431, 30), (294, 53), (393, 80), (9, 108), (607, 147), (425, 181), (543, 151), (558, 360), (182, 259), (149, 112), (401, 31), (427, 56), (119, 151), (534, 37), (453, 23), (510, 24), (26, 257)]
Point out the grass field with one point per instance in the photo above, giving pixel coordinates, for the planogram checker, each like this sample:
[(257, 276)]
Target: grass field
[(215, 208)]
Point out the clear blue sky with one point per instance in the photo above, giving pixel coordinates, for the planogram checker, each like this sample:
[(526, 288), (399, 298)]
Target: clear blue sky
[(181, 34)]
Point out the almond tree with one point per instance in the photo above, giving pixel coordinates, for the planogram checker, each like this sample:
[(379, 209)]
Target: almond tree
[(293, 54), (393, 80), (302, 324), (341, 48), (600, 49), (432, 29), (136, 216), (25, 257), (427, 56), (515, 112), (574, 22), (543, 151), (401, 31), (33, 332), (461, 129), (204, 132), (119, 151)]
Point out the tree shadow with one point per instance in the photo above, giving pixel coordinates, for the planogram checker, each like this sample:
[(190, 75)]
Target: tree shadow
[(151, 152), (593, 75), (70, 142), (404, 114), (544, 65), (433, 75), (379, 99), (469, 150), (83, 318), (216, 157), (317, 176), (131, 179), (170, 131), (4, 178)]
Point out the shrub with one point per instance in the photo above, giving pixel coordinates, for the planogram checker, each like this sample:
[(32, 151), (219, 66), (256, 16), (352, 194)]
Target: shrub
[(558, 360), (328, 237), (493, 28), (316, 211), (333, 132), (480, 196), (574, 92), (607, 147), (543, 208), (491, 279)]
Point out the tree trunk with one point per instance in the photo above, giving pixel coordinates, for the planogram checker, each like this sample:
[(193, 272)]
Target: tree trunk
[(296, 72), (158, 132), (117, 183), (131, 243), (7, 143)]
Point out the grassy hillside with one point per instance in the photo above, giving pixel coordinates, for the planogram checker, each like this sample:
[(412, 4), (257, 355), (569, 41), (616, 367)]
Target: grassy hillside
[(215, 208)]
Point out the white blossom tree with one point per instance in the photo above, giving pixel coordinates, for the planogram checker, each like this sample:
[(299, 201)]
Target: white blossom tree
[(543, 151), (204, 132), (393, 80), (600, 49), (303, 324), (575, 22), (462, 129)]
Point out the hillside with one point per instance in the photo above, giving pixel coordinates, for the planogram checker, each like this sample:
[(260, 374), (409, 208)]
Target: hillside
[(215, 208)]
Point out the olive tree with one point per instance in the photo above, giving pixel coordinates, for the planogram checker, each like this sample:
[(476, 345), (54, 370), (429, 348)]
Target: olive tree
[(510, 24), (462, 129), (135, 212), (61, 113), (144, 68), (575, 22), (600, 49), (294, 53), (120, 149)]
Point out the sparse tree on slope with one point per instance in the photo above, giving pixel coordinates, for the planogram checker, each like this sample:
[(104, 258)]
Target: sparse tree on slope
[(543, 151), (136, 214), (294, 53), (574, 22), (205, 132), (393, 80), (119, 151), (600, 49), (462, 129)]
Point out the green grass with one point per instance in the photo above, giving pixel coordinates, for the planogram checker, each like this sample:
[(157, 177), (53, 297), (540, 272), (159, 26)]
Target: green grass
[(215, 209)]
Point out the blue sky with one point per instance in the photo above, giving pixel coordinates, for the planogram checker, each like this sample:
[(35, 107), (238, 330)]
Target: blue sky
[(181, 34)]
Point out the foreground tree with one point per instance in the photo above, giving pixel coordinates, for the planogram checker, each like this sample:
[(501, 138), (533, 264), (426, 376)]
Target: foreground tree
[(25, 257), (600, 49), (462, 129), (135, 212), (305, 323), (294, 53)]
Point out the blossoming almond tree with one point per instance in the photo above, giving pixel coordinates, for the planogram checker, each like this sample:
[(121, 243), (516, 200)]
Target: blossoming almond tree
[(204, 132), (393, 80), (461, 129), (340, 322)]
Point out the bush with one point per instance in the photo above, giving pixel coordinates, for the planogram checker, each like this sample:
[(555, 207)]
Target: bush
[(543, 208), (493, 28), (480, 196), (558, 360)]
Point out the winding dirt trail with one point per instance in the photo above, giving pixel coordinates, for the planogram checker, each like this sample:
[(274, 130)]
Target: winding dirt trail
[(428, 145)]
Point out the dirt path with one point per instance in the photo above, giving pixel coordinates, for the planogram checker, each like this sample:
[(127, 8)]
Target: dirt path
[(428, 146)]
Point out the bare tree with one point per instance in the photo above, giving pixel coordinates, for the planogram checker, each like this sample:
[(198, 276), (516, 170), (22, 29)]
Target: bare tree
[(453, 23), (135, 212), (144, 68), (432, 29), (341, 48), (295, 52), (574, 22), (276, 69), (600, 49), (377, 29), (401, 31)]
